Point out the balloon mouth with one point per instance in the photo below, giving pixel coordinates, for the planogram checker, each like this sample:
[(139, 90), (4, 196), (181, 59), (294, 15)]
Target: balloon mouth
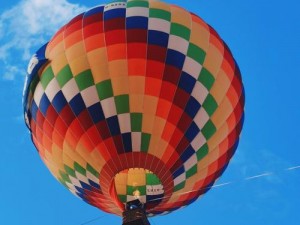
[(138, 183), (160, 181)]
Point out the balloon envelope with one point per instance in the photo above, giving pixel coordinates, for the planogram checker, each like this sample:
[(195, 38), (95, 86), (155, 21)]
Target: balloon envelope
[(135, 99)]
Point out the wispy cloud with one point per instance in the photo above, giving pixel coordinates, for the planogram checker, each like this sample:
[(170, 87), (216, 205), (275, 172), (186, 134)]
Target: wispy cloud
[(28, 25)]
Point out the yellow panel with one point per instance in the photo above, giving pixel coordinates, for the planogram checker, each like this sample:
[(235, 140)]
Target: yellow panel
[(213, 60), (158, 126), (147, 123), (220, 87), (150, 104), (136, 103), (222, 113), (200, 36), (75, 51), (136, 85), (98, 161), (118, 68), (79, 65), (159, 5), (59, 63), (181, 16), (57, 50), (120, 85)]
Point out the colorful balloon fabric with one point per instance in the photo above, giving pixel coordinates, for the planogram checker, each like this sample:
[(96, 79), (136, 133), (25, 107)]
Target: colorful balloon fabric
[(135, 99)]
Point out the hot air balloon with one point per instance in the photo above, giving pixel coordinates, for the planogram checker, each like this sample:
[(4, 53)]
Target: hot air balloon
[(135, 100)]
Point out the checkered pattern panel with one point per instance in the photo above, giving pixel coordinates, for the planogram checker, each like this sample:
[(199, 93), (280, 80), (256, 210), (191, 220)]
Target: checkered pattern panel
[(141, 78)]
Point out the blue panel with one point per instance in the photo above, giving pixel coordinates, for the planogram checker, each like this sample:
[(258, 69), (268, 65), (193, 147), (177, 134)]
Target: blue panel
[(192, 107), (44, 104), (96, 113), (113, 125), (34, 110), (187, 153), (80, 190), (114, 13), (175, 58), (95, 185), (192, 131), (85, 186), (59, 102), (158, 38), (137, 22), (178, 172), (187, 82), (93, 11), (126, 137), (77, 104)]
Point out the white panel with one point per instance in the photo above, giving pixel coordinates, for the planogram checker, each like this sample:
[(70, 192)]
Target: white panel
[(75, 181), (38, 93), (159, 25), (70, 89), (137, 11), (90, 96), (124, 122), (52, 89), (92, 177), (201, 118), (190, 162), (199, 92), (179, 179), (198, 141), (192, 67), (136, 141), (109, 107), (179, 44), (81, 177)]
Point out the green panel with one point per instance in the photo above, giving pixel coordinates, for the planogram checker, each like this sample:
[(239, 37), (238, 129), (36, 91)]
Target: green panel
[(196, 53), (79, 169), (180, 30), (202, 152), (209, 129), (104, 89), (69, 171), (191, 171), (46, 77), (179, 186), (210, 104), (206, 78), (138, 4), (131, 189), (64, 177), (64, 76), (84, 80), (92, 170), (122, 103), (161, 14), (152, 179), (33, 84), (136, 122), (145, 142), (122, 198)]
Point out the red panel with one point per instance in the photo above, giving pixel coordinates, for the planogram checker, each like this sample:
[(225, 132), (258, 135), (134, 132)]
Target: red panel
[(168, 90)]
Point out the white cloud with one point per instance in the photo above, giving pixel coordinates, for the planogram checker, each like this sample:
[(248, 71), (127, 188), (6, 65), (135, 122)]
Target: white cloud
[(27, 26)]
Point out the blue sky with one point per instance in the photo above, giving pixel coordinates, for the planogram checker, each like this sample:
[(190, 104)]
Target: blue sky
[(264, 38)]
